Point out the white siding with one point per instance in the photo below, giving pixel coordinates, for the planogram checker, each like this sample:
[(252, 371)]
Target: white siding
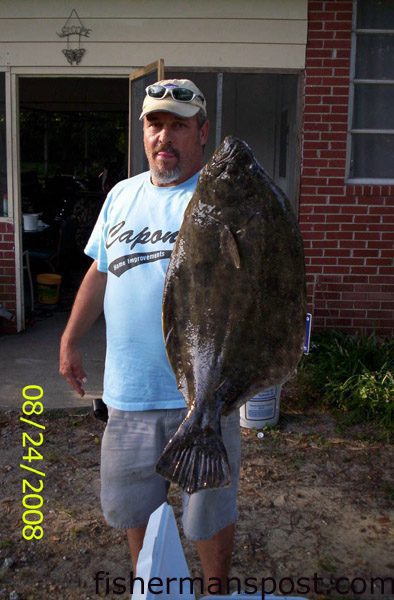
[(126, 33)]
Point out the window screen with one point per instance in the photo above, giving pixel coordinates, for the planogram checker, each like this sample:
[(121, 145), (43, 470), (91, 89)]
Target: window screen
[(372, 114)]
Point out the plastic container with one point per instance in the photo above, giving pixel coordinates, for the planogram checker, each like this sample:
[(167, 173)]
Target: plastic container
[(48, 288), (163, 563), (262, 409), (30, 221)]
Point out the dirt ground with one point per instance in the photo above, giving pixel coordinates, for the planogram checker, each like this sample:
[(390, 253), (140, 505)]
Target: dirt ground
[(314, 503)]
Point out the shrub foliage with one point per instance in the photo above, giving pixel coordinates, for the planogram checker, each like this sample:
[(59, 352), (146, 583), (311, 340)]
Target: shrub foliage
[(352, 373)]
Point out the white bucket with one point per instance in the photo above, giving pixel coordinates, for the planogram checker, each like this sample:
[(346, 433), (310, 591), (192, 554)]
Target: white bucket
[(262, 409), (30, 221)]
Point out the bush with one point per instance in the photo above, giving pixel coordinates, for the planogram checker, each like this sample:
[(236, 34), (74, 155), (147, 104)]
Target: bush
[(353, 374)]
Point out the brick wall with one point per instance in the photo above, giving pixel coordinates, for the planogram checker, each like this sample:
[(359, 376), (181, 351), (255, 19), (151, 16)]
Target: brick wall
[(347, 229), (7, 275)]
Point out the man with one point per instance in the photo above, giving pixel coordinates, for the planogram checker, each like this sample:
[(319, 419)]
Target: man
[(131, 244)]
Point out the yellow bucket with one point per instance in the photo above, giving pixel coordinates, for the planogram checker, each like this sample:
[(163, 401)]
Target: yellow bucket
[(48, 286)]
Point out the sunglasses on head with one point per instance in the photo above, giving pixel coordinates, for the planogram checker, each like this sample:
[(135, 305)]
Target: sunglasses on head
[(179, 94)]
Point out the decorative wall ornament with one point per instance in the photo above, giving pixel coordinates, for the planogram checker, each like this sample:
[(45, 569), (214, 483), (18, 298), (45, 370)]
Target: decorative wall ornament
[(73, 30)]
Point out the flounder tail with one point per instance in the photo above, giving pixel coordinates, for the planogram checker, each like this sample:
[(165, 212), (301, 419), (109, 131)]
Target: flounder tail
[(195, 458)]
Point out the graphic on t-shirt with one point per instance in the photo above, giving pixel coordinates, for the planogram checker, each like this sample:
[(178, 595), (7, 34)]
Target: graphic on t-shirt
[(143, 237), (123, 263)]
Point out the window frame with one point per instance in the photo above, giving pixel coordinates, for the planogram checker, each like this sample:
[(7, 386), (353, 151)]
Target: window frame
[(356, 32)]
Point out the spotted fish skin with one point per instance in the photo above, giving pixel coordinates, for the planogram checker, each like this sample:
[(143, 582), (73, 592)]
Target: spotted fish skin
[(234, 306)]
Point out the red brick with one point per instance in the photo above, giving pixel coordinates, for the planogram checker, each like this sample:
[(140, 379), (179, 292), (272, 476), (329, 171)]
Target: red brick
[(336, 175), (318, 72), (360, 231), (314, 62), (314, 220), (380, 245), (340, 127), (331, 229), (364, 270), (338, 235), (317, 15), (379, 261), (315, 269), (379, 227), (338, 25), (317, 90), (326, 243), (387, 271), (312, 107), (314, 42), (340, 100), (339, 218), (356, 279), (365, 253), (344, 16), (329, 190), (354, 261), (387, 305), (314, 26), (340, 252), (338, 269), (314, 252), (380, 279), (340, 72), (353, 313), (332, 153), (359, 212), (326, 209), (338, 6), (330, 322), (337, 43), (327, 261), (352, 244), (317, 54), (313, 235), (386, 253), (382, 210), (336, 118), (310, 199)]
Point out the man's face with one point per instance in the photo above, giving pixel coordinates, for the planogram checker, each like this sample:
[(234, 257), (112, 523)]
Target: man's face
[(173, 146)]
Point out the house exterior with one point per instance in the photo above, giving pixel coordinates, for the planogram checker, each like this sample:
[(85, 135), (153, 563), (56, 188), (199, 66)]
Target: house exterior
[(288, 76), (346, 202)]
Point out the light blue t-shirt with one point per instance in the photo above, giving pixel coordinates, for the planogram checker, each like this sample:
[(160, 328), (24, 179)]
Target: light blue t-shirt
[(132, 241)]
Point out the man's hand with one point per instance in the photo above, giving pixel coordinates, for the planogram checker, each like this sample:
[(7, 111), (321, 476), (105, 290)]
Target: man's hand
[(70, 366), (87, 308)]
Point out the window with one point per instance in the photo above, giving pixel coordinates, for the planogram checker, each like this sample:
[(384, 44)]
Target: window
[(372, 97)]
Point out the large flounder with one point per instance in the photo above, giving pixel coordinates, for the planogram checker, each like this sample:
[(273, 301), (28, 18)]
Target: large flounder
[(233, 309)]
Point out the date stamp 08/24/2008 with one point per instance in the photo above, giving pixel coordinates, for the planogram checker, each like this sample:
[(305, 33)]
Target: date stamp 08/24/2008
[(32, 500)]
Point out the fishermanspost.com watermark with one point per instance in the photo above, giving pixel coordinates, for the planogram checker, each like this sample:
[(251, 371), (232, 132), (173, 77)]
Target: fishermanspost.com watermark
[(357, 586)]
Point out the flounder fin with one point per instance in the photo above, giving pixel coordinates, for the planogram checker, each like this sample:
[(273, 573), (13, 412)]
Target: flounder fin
[(168, 336), (229, 245), (196, 459)]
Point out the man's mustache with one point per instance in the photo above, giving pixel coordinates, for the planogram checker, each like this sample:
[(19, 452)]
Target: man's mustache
[(167, 148)]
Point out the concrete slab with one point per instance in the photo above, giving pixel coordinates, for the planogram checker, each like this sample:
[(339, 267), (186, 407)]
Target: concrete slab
[(32, 357)]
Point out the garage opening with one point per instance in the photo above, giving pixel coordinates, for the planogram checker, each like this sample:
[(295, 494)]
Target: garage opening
[(73, 149), (74, 137)]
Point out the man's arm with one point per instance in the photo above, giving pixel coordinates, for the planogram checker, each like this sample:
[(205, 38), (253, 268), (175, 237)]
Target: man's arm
[(88, 306)]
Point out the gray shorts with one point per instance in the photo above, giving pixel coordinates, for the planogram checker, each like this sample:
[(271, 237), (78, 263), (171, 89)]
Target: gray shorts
[(130, 487)]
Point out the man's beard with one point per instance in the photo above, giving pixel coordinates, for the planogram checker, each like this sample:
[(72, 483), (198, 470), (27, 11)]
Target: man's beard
[(166, 175)]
